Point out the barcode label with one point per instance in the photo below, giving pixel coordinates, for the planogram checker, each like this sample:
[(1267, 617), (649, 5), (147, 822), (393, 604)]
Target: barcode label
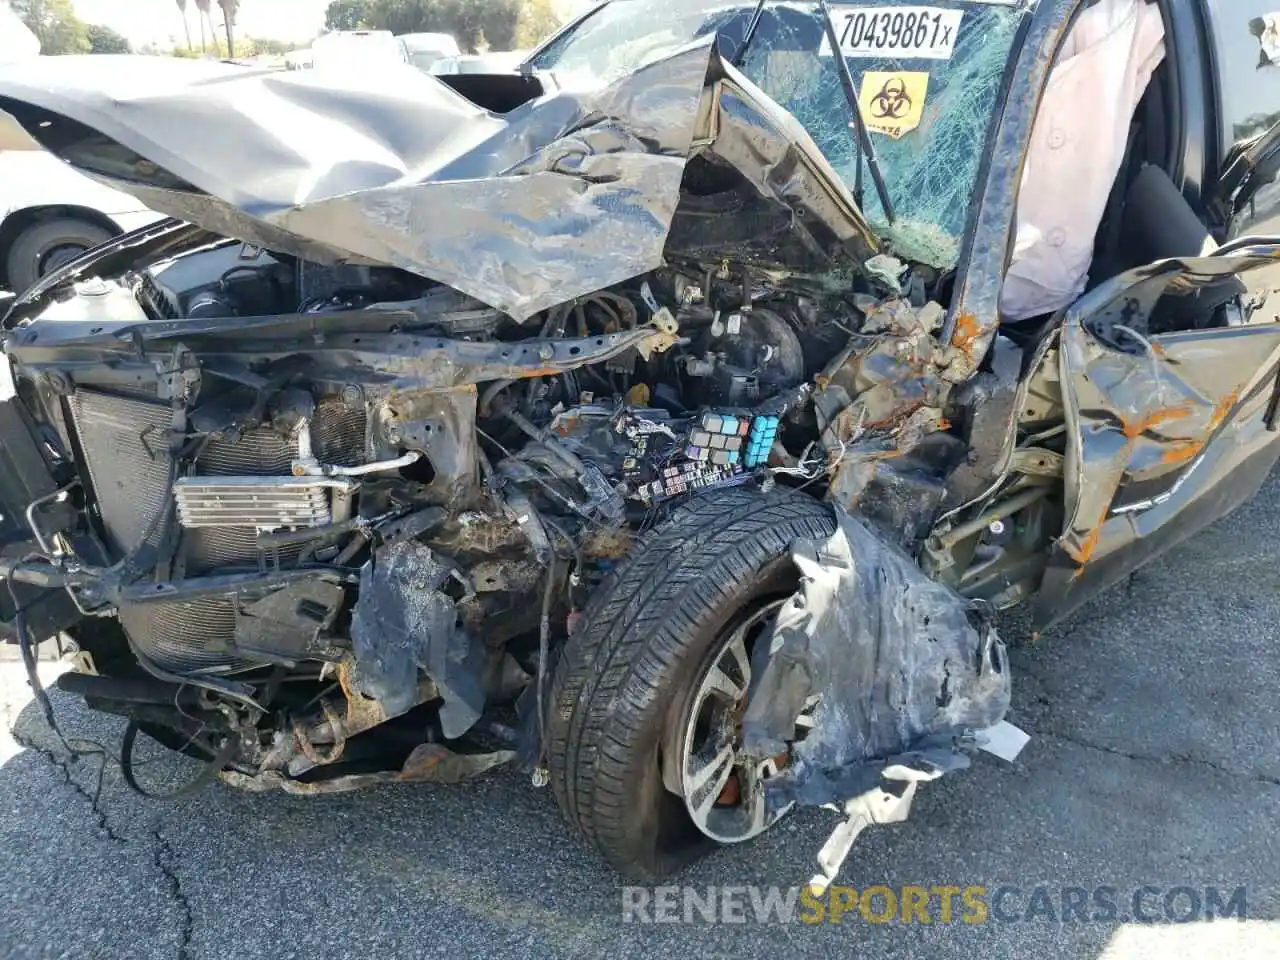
[(904, 33)]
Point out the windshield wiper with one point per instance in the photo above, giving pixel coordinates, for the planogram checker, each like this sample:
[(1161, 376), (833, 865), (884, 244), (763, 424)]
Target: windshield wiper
[(862, 139), (862, 144), (750, 35)]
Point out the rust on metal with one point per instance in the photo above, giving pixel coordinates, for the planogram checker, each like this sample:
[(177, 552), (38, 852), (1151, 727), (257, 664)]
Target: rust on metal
[(1180, 452), (968, 331), (1223, 409), (1136, 428), (608, 543), (1084, 553)]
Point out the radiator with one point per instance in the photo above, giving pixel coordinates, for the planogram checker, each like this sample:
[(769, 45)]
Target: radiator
[(238, 487), (126, 448)]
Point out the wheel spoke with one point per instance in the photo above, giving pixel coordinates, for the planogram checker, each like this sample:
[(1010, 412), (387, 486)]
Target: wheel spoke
[(719, 682), (705, 782), (711, 732), (735, 656), (753, 792), (756, 805), (730, 675)]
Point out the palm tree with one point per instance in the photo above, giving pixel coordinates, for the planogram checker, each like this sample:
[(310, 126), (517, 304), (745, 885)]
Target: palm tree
[(204, 6), (186, 27), (229, 16), (204, 48)]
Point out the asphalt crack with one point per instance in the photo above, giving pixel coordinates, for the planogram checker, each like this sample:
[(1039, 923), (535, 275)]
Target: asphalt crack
[(63, 765), (164, 863), (1171, 758), (162, 853)]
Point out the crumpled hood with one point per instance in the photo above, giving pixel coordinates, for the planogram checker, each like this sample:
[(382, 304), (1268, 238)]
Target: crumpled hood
[(568, 193)]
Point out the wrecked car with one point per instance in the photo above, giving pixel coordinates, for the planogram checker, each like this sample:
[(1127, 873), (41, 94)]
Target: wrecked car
[(646, 419)]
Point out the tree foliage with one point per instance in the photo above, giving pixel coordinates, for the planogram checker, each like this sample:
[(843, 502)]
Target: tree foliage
[(536, 21), (496, 24), (246, 47), (60, 31), (347, 15), (105, 40), (265, 45), (1255, 124), (55, 24)]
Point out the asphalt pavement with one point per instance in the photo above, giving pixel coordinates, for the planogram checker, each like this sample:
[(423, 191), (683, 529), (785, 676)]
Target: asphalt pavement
[(1154, 764)]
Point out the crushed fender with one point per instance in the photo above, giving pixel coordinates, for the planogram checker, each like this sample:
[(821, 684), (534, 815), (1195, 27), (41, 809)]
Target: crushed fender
[(897, 671)]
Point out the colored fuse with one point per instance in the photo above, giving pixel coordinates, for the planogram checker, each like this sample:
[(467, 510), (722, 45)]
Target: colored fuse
[(764, 430)]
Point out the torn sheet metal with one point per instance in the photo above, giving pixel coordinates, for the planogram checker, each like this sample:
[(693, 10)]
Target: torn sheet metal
[(902, 667), (429, 762), (1147, 405), (879, 400), (404, 622), (1157, 422), (566, 194)]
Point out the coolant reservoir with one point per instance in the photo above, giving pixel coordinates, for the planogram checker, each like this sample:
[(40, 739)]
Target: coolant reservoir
[(99, 302)]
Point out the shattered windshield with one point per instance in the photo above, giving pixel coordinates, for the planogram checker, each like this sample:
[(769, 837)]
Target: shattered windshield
[(927, 77)]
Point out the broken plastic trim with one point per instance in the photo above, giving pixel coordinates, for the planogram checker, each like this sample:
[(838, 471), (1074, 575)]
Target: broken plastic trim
[(904, 671)]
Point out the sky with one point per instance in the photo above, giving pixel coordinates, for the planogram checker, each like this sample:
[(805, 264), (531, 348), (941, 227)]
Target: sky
[(159, 21)]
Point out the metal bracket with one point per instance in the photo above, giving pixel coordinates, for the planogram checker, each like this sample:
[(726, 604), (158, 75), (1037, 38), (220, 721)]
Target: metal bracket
[(890, 802)]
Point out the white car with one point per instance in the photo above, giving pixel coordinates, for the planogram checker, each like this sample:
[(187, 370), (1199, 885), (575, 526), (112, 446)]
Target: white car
[(503, 62), (355, 50), (423, 50), (49, 213)]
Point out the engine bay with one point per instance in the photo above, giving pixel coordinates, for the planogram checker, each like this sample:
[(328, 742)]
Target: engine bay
[(606, 436), (308, 475)]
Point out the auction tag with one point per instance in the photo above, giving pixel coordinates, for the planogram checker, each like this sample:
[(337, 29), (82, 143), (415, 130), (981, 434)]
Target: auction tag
[(892, 103), (1004, 740), (895, 32)]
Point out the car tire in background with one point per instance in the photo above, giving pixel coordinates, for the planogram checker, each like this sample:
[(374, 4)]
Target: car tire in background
[(629, 692), (48, 244)]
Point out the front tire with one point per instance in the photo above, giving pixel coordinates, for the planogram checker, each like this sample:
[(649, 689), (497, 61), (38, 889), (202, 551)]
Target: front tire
[(47, 245), (629, 680)]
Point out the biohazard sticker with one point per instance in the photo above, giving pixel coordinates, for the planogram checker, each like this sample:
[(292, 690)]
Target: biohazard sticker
[(893, 103)]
